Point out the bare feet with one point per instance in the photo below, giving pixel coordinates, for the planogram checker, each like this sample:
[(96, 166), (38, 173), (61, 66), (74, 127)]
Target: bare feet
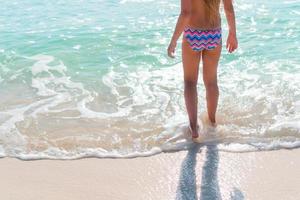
[(194, 132), (212, 123)]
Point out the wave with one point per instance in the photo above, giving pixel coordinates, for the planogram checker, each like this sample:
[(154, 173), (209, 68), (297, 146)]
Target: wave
[(141, 112)]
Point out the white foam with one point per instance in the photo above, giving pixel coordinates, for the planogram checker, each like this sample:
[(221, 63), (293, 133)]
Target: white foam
[(147, 114), (77, 47)]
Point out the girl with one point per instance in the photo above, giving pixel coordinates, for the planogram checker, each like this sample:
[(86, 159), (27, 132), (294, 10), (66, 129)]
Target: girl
[(200, 23)]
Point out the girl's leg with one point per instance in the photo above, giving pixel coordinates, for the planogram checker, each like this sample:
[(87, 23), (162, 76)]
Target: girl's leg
[(190, 61), (210, 64)]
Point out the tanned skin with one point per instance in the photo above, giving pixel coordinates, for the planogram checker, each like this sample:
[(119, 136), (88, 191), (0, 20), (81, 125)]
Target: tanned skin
[(193, 15)]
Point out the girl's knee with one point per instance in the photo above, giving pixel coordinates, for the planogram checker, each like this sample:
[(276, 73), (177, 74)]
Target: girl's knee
[(211, 85), (190, 83)]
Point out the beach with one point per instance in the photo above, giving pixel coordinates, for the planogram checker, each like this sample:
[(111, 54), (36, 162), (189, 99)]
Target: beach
[(92, 107), (208, 174)]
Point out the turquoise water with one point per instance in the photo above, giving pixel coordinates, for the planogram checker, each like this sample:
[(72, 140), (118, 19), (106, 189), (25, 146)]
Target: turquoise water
[(81, 79)]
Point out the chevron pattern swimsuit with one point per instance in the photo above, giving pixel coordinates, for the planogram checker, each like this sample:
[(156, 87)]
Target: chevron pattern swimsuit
[(203, 39)]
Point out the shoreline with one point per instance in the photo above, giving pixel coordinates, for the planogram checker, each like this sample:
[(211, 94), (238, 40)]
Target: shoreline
[(199, 171)]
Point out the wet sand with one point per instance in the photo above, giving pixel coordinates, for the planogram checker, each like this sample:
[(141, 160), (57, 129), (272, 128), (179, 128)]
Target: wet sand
[(200, 173)]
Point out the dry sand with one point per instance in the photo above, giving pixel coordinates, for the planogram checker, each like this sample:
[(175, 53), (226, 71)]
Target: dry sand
[(206, 175)]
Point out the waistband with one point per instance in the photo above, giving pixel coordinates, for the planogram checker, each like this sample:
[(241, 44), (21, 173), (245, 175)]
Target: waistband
[(202, 29)]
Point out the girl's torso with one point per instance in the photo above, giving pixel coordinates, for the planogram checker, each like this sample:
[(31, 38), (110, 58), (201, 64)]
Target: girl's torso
[(199, 16)]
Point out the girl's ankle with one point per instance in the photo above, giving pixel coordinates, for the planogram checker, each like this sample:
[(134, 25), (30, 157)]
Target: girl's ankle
[(193, 127)]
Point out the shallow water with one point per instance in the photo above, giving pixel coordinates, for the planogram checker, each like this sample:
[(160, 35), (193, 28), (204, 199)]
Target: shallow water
[(82, 79)]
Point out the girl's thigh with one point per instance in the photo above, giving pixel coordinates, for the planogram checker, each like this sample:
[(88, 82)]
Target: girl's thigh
[(190, 61), (210, 59)]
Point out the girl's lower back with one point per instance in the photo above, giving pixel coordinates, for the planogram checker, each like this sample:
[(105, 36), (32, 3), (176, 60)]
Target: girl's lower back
[(203, 12)]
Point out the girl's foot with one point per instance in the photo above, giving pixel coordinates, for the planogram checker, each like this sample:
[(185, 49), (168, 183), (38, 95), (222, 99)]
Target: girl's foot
[(213, 124), (194, 133)]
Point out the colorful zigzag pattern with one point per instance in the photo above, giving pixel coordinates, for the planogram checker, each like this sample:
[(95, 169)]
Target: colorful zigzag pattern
[(203, 39)]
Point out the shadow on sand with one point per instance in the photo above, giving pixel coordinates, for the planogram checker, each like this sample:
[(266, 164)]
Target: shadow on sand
[(209, 189)]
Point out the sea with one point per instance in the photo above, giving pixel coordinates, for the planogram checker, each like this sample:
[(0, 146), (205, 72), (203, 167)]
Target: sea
[(92, 79)]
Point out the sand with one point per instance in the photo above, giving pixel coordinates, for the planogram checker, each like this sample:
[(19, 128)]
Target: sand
[(207, 175)]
